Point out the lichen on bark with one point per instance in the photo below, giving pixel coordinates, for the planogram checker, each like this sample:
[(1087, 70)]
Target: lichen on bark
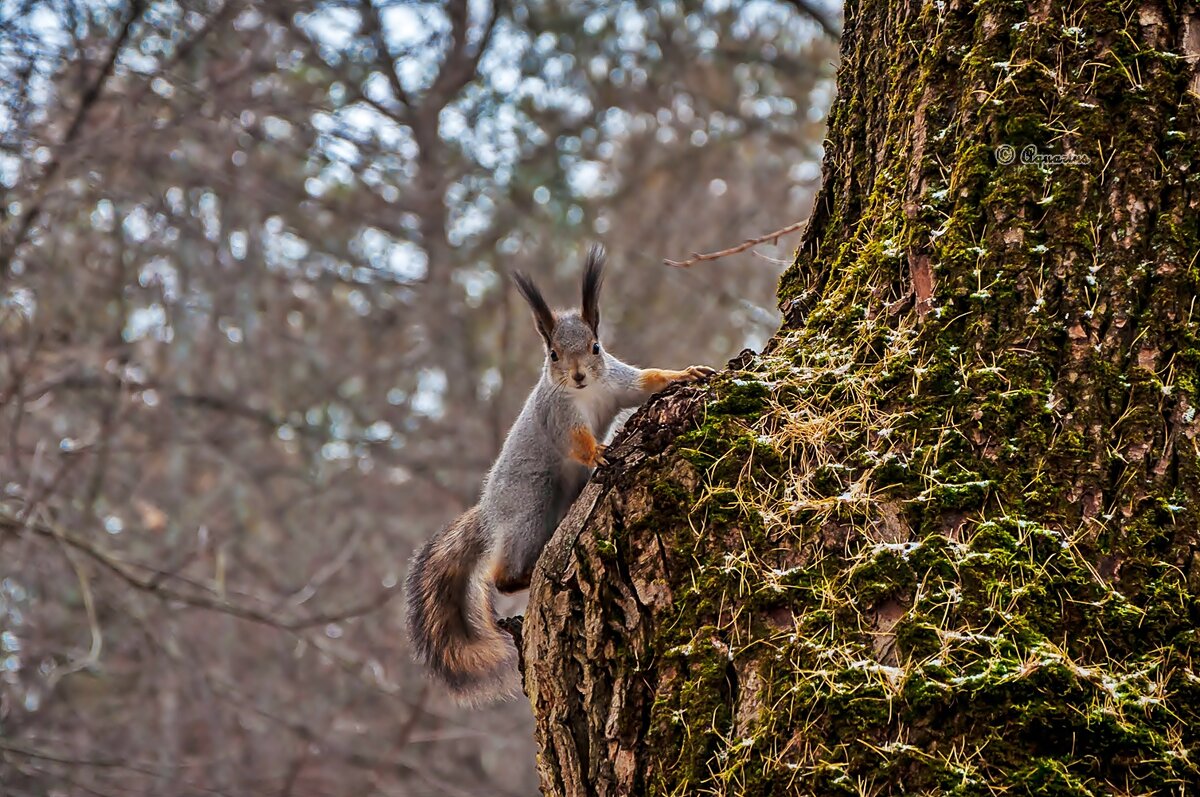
[(941, 536)]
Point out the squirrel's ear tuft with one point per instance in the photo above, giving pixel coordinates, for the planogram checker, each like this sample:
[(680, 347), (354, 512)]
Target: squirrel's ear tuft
[(593, 278), (542, 315)]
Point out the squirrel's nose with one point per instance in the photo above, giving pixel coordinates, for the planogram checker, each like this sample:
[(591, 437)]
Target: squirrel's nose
[(578, 377)]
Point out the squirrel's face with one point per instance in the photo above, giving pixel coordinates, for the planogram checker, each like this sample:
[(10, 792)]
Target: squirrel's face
[(574, 356)]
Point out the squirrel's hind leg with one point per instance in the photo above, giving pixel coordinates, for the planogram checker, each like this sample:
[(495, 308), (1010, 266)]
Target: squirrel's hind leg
[(523, 519), (510, 576), (520, 544)]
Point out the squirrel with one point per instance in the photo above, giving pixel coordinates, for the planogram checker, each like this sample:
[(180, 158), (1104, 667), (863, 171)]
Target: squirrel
[(547, 457)]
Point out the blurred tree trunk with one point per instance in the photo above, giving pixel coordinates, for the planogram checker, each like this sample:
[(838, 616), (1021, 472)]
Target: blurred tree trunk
[(941, 536)]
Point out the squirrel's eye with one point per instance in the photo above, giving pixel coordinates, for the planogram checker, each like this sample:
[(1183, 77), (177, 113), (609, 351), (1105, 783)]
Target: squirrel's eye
[(596, 347), (554, 355)]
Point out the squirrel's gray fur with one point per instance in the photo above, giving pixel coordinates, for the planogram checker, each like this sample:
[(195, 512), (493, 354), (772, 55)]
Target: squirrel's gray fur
[(540, 471)]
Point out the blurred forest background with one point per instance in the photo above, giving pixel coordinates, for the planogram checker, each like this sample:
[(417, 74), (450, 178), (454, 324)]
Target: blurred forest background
[(257, 341)]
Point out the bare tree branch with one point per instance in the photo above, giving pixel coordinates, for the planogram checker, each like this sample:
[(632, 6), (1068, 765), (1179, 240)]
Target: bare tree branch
[(373, 27), (817, 15), (211, 601), (86, 101), (773, 237)]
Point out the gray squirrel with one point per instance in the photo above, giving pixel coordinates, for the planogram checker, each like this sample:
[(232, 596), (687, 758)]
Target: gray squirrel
[(543, 465)]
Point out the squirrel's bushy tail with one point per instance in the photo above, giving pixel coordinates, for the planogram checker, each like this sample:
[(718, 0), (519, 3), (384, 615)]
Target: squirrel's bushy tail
[(451, 622)]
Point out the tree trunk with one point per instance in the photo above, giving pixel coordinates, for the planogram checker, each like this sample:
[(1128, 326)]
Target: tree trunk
[(941, 537)]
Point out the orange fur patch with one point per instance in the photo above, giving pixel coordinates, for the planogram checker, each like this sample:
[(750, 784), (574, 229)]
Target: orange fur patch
[(506, 581), (584, 447), (656, 379)]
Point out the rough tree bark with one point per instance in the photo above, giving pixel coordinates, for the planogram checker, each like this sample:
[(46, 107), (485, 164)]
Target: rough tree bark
[(941, 536)]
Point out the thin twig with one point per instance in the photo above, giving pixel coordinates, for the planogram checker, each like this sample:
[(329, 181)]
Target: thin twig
[(773, 237), (89, 605), (90, 96)]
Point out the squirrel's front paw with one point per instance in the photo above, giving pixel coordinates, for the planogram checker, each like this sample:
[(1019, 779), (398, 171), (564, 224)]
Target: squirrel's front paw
[(595, 457), (694, 373), (585, 448), (599, 458)]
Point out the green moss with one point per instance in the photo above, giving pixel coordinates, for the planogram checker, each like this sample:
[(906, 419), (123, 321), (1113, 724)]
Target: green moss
[(740, 397)]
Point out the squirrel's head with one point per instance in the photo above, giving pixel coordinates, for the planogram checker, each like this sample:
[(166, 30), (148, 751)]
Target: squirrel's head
[(573, 354)]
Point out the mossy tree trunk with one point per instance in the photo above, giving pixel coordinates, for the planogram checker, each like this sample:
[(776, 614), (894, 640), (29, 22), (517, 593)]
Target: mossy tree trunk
[(941, 537)]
